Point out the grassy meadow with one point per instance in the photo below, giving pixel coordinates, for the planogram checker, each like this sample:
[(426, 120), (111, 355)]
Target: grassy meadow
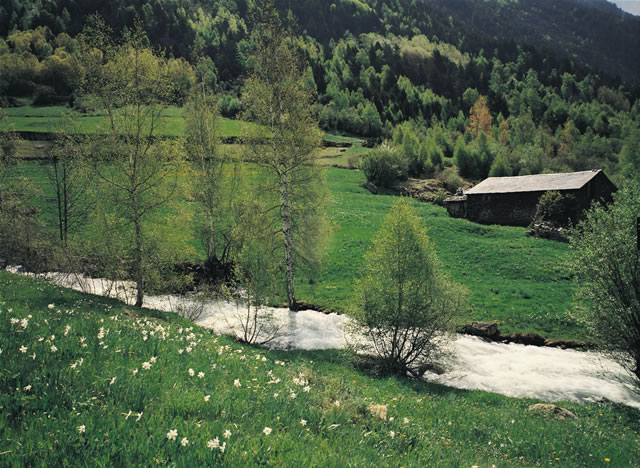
[(523, 283), (88, 381), (54, 118)]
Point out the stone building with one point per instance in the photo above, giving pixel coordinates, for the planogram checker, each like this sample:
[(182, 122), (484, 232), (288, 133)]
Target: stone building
[(512, 200)]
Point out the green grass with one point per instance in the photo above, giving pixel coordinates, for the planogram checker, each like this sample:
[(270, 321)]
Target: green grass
[(82, 403), (54, 118), (522, 283)]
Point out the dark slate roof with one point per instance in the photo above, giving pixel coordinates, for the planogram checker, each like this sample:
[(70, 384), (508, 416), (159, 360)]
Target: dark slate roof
[(533, 183)]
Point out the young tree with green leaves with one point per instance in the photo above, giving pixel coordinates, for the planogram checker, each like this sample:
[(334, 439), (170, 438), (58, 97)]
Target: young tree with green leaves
[(285, 145), (606, 262), (202, 144), (404, 303), (139, 169)]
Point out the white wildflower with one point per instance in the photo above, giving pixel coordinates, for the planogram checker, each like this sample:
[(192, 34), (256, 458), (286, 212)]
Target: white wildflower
[(201, 374), (172, 434), (227, 434), (146, 365), (191, 372), (81, 429), (23, 349), (303, 422), (184, 442), (266, 430), (236, 383), (207, 397)]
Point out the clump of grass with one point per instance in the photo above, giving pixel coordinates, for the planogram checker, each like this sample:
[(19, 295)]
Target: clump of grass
[(90, 381)]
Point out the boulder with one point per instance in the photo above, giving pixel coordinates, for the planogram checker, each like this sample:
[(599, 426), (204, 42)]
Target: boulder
[(563, 344), (547, 230), (552, 410), (371, 187), (532, 339), (483, 329)]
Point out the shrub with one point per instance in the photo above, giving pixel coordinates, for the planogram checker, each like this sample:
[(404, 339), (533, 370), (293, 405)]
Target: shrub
[(452, 181), (552, 207), (606, 264), (383, 167), (403, 303), (229, 106)]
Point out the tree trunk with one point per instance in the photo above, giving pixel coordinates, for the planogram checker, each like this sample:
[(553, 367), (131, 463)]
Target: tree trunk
[(285, 212), (137, 257)]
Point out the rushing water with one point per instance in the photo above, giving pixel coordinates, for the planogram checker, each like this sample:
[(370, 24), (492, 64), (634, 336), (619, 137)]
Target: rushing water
[(549, 374)]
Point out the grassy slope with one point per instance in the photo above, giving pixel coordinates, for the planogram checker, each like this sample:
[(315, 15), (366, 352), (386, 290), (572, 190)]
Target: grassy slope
[(519, 281), (53, 118), (126, 420)]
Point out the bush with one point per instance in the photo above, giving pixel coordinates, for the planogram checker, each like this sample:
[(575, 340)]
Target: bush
[(384, 167), (552, 207), (46, 96), (229, 106), (452, 181), (404, 303)]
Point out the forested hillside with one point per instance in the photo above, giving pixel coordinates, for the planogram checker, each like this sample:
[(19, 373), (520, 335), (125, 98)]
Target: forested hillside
[(544, 74)]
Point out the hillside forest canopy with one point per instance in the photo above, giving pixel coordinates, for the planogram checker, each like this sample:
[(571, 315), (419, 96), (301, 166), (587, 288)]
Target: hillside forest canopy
[(413, 73)]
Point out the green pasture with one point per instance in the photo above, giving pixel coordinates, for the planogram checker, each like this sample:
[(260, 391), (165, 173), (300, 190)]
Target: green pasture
[(56, 118), (88, 381)]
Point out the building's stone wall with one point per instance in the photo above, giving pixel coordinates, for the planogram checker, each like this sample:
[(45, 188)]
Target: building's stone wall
[(519, 208), (515, 209)]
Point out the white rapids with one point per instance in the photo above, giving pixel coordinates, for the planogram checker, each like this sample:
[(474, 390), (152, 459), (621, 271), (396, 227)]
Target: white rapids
[(549, 374)]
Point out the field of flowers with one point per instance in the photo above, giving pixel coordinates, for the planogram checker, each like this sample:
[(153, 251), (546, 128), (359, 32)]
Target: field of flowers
[(89, 381)]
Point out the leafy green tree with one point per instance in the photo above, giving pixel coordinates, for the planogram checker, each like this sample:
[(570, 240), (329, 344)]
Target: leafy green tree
[(465, 159), (606, 262), (404, 303), (629, 158), (202, 145), (139, 170), (285, 145), (500, 166)]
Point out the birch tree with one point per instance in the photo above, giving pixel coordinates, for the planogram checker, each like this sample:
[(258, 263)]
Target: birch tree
[(132, 85), (285, 145)]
